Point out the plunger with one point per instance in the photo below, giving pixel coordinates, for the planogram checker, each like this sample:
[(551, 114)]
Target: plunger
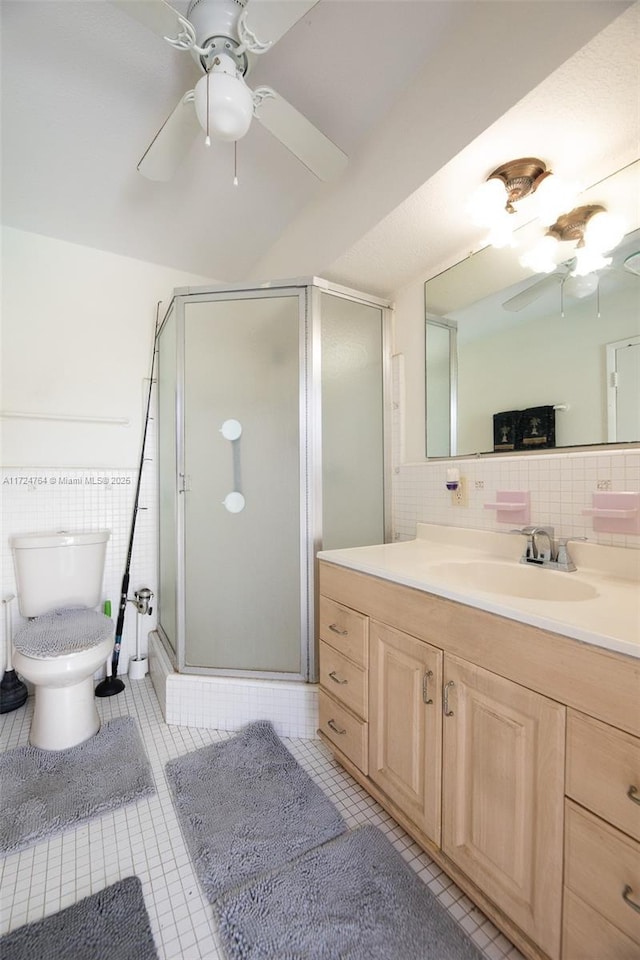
[(13, 691), (110, 685)]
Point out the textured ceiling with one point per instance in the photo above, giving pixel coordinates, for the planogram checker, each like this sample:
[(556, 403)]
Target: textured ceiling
[(402, 86), (583, 121)]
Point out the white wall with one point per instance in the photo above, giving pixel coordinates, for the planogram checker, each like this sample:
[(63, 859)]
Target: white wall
[(77, 333)]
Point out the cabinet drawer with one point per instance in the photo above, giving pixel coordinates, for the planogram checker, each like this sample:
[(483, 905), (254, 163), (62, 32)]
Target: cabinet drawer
[(600, 864), (588, 936), (603, 767), (344, 729), (344, 680), (345, 629)]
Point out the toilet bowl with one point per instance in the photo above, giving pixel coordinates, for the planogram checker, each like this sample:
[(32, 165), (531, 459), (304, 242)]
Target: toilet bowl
[(59, 579)]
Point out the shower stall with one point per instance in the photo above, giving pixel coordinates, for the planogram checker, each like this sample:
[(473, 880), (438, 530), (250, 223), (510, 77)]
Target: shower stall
[(272, 444)]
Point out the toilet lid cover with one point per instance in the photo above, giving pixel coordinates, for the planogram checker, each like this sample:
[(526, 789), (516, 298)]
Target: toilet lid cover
[(62, 632)]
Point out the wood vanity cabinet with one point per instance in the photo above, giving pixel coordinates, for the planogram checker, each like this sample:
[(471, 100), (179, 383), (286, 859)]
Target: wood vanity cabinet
[(503, 786), (405, 724), (344, 659), (463, 734), (602, 842)]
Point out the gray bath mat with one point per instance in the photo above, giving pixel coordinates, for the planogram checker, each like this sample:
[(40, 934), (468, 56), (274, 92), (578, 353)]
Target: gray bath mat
[(110, 925), (353, 898), (246, 807), (47, 791)]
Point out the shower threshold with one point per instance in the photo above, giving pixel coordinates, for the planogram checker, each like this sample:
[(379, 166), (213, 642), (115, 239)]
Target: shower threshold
[(228, 703)]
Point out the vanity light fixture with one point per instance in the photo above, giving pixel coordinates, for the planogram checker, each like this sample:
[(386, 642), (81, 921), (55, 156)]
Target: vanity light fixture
[(596, 232), (497, 199)]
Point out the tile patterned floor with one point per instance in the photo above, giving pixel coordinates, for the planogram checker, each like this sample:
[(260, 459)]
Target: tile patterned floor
[(145, 839)]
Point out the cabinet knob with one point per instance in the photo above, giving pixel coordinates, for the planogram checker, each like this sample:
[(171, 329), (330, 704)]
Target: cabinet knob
[(634, 794), (445, 699), (336, 629)]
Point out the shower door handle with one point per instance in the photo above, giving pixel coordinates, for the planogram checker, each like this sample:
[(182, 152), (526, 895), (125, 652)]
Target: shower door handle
[(234, 502)]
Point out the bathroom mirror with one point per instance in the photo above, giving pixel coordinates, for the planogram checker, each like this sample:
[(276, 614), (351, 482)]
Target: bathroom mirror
[(500, 339)]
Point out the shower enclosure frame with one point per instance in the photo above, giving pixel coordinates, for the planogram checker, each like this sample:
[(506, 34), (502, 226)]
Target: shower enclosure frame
[(308, 291)]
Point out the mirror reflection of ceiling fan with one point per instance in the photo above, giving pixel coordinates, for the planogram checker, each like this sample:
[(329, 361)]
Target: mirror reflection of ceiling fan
[(225, 37), (576, 287)]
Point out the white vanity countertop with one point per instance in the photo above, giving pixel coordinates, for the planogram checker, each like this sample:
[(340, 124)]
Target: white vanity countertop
[(609, 619)]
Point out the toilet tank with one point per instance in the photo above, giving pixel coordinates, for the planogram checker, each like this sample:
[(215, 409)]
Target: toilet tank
[(56, 570)]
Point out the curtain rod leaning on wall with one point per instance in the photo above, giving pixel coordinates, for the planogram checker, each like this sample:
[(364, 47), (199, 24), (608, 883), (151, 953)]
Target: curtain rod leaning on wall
[(112, 421)]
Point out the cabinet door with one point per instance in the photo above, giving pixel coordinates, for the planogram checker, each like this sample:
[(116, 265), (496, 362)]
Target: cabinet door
[(503, 770), (405, 729)]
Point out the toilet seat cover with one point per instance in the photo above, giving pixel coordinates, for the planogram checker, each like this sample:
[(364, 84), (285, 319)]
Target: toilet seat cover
[(62, 632)]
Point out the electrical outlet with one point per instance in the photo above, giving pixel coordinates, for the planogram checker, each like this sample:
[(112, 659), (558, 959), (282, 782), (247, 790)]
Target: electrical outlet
[(459, 496)]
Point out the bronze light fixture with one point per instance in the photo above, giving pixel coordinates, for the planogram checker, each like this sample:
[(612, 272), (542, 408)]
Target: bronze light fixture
[(595, 232), (521, 178), (500, 196)]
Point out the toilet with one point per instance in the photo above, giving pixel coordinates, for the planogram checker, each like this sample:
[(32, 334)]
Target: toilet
[(59, 584)]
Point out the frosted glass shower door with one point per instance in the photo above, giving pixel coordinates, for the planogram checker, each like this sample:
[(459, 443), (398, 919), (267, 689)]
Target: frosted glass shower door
[(353, 415), (243, 588)]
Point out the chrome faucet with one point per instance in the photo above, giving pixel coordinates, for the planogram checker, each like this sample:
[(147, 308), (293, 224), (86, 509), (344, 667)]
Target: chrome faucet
[(544, 554), (549, 553)]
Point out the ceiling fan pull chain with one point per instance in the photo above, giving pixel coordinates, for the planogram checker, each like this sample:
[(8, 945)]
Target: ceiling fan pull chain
[(235, 163), (248, 39), (207, 139)]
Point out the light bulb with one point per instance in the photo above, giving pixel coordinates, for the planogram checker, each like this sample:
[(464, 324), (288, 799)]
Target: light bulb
[(603, 232), (552, 197), (542, 257), (487, 202), (501, 233), (230, 105), (588, 260)]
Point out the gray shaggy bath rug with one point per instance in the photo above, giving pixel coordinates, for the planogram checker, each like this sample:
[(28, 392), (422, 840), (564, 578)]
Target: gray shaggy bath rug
[(110, 925), (47, 791), (246, 807), (353, 898)]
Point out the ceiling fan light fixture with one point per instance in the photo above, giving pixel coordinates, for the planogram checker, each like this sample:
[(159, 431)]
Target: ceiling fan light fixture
[(223, 104)]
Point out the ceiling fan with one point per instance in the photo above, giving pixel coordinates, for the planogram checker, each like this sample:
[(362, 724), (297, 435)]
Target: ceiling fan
[(536, 290), (224, 37), (576, 287)]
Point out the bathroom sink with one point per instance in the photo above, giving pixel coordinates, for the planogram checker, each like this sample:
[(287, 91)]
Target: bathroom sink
[(512, 579)]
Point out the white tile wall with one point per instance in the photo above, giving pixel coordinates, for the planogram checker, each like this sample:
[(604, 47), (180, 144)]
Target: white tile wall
[(561, 486), (39, 500)]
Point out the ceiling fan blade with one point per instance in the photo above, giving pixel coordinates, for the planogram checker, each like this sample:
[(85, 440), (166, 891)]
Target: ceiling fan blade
[(319, 154), (157, 15), (171, 143), (270, 19), (532, 293)]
